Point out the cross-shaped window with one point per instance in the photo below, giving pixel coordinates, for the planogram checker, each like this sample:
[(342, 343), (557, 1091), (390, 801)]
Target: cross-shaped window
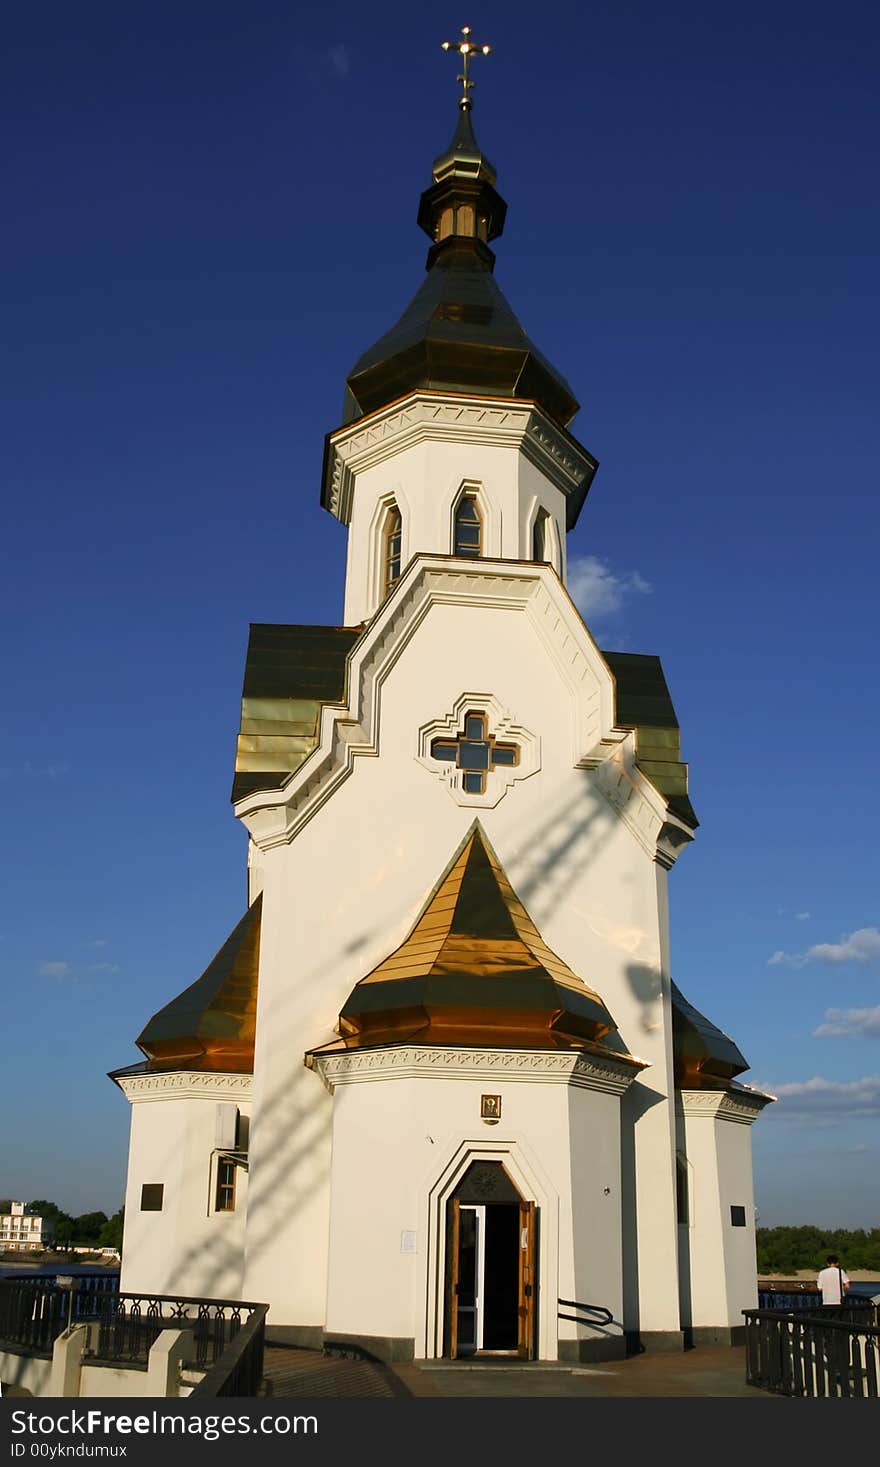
[(475, 752)]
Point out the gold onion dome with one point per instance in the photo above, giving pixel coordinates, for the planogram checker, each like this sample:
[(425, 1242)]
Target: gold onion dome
[(475, 970), (459, 334)]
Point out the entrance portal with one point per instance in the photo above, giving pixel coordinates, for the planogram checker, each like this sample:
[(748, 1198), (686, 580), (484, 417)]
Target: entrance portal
[(490, 1270)]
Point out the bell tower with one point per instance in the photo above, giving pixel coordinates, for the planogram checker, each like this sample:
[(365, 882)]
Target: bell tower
[(455, 438)]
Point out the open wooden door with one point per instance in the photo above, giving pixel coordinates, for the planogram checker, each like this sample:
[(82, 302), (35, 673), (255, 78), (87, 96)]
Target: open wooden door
[(453, 1235), (527, 1280)]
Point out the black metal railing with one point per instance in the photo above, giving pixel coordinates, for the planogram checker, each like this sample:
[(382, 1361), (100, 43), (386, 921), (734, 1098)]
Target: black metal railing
[(593, 1314), (35, 1311), (128, 1326), (239, 1370), (836, 1353)]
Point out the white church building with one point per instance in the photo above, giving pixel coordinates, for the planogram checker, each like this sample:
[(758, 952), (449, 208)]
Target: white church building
[(437, 1094)]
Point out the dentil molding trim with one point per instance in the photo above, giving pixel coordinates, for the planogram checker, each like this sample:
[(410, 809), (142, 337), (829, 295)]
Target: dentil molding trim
[(405, 1062), (449, 418), (186, 1085), (740, 1106)]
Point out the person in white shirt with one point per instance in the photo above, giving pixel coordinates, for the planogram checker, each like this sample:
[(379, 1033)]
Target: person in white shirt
[(832, 1281)]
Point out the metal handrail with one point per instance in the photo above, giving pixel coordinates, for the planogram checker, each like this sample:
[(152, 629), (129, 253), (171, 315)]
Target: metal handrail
[(604, 1315)]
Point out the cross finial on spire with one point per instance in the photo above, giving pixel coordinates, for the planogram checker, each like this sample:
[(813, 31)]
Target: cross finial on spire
[(467, 48)]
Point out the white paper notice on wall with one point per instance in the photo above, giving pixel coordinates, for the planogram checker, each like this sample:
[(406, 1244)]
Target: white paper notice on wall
[(408, 1241)]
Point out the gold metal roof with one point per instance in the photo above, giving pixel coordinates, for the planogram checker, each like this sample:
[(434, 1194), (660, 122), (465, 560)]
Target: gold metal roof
[(704, 1056), (211, 1025), (474, 969)]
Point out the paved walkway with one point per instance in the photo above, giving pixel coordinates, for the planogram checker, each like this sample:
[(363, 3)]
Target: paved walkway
[(712, 1371)]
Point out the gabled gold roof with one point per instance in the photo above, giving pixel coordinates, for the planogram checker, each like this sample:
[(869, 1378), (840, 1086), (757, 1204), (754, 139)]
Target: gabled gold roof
[(474, 969), (211, 1025)]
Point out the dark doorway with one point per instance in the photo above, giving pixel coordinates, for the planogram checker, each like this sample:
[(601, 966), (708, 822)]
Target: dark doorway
[(490, 1251), (501, 1277)]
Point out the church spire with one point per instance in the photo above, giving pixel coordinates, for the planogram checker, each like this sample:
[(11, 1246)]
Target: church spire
[(462, 205), (458, 333)]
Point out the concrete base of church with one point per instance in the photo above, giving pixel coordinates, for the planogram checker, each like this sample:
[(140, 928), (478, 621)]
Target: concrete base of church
[(654, 1341), (387, 1348), (300, 1336), (584, 1352), (721, 1334)]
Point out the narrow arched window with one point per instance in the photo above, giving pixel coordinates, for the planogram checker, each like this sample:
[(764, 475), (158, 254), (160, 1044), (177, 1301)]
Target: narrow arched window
[(464, 223), (391, 549), (541, 536), (468, 529)]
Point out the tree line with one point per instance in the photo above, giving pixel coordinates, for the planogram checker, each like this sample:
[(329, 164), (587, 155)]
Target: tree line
[(788, 1250), (90, 1228)]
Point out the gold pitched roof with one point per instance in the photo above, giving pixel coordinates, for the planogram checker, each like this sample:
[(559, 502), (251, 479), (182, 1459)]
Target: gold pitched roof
[(704, 1056), (474, 969), (211, 1025)]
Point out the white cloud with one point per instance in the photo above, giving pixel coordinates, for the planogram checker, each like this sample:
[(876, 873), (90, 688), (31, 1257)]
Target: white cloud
[(54, 970), (53, 770), (98, 942), (340, 60), (597, 590), (829, 1100), (861, 946), (850, 1023), (802, 916), (103, 967)]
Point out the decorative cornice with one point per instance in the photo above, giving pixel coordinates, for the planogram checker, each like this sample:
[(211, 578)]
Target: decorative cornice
[(742, 1106), (406, 1062), (185, 1085), (425, 416)]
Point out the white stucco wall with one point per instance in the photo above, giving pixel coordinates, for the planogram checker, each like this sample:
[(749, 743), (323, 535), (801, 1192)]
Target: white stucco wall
[(189, 1248), (404, 1135), (718, 1258)]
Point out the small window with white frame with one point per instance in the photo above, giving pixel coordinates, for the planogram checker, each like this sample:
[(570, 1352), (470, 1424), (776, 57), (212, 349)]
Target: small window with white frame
[(224, 1194), (392, 538)]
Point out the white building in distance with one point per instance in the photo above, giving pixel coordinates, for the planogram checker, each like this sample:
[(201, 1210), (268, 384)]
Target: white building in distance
[(23, 1231), (437, 1094)]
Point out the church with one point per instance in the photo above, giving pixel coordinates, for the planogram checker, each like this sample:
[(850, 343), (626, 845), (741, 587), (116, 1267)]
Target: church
[(437, 1095)]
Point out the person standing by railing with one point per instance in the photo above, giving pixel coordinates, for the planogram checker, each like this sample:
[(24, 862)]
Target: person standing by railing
[(832, 1282)]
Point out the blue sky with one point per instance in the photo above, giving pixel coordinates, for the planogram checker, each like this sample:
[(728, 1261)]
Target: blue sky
[(209, 213)]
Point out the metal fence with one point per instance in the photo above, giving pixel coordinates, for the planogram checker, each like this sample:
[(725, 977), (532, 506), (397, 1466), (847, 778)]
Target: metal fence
[(35, 1311), (128, 1326), (836, 1353)]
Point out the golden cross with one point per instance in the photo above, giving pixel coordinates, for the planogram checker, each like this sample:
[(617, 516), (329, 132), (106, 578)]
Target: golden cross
[(467, 48)]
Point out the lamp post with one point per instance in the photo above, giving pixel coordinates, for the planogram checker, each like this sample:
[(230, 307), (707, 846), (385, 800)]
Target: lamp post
[(67, 1284)]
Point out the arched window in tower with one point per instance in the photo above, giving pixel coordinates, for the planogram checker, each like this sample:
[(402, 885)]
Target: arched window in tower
[(468, 529), (391, 540), (464, 224), (541, 542)]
